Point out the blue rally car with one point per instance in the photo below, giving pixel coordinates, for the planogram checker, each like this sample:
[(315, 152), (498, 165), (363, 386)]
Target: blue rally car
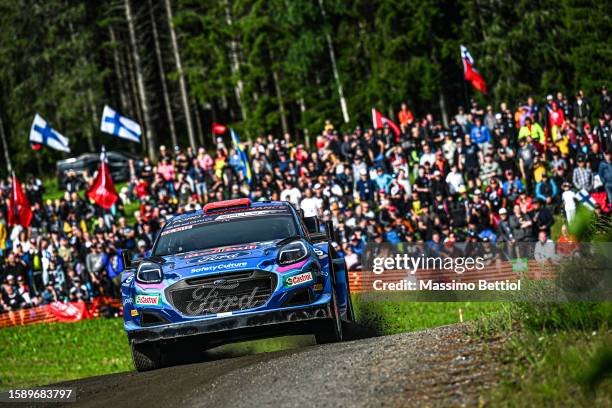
[(235, 270)]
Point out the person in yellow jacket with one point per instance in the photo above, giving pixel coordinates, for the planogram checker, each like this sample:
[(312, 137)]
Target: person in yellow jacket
[(2, 237), (532, 129)]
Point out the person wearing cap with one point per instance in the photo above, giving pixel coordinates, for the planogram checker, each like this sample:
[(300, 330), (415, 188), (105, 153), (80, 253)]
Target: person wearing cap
[(77, 292), (582, 177), (365, 186), (569, 199), (382, 179), (512, 186), (546, 190), (503, 225)]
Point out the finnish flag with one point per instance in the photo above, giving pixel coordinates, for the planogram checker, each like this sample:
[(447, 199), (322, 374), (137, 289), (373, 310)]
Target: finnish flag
[(120, 126), (586, 199), (42, 133)]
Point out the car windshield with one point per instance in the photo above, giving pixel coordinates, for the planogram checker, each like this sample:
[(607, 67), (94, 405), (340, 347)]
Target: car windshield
[(216, 234)]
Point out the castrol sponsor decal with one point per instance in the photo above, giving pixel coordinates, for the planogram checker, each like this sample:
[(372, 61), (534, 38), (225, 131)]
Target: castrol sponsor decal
[(148, 300), (298, 279)]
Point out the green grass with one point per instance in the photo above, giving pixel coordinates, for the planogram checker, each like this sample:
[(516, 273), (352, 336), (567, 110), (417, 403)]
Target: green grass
[(46, 353), (560, 354), (387, 316)]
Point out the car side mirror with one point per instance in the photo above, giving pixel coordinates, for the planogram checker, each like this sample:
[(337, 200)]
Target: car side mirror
[(318, 237), (312, 223)]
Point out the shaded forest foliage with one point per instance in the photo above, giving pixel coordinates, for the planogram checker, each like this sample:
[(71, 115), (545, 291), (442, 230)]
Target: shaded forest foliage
[(266, 65)]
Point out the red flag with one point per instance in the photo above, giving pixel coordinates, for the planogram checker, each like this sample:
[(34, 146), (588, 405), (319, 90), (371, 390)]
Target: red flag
[(102, 191), (379, 121), (19, 211), (218, 129), (470, 73), (68, 312)]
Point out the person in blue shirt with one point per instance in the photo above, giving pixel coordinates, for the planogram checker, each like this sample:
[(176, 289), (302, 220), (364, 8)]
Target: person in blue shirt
[(513, 186), (480, 133), (382, 179), (391, 235), (546, 190)]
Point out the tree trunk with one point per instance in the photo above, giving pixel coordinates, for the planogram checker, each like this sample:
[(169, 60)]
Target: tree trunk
[(7, 156), (89, 129), (198, 121), (442, 102), (94, 117), (281, 103), (332, 57), (162, 76), (133, 88), (306, 135), (181, 74), (118, 70), (142, 92), (133, 96), (235, 63)]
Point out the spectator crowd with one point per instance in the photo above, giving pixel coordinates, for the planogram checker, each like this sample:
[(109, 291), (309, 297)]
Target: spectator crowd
[(492, 174)]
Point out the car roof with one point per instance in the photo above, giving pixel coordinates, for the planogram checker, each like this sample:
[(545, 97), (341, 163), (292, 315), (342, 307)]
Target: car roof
[(253, 205)]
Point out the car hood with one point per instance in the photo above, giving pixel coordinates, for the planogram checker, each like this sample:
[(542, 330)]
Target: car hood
[(222, 259)]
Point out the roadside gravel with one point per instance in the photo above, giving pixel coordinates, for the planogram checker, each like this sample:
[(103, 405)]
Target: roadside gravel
[(437, 367)]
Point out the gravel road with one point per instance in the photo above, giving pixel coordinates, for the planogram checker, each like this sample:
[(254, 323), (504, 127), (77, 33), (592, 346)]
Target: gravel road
[(437, 367)]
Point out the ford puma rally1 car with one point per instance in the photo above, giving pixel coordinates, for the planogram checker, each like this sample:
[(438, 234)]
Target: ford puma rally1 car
[(235, 270)]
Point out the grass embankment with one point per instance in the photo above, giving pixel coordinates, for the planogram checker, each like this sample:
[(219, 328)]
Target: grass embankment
[(45, 353), (558, 354), (42, 354)]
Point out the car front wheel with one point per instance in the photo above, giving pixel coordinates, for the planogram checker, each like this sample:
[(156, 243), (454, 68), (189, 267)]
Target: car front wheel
[(331, 330), (146, 356)]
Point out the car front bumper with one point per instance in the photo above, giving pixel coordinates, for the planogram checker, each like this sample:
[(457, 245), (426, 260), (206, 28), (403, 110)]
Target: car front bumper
[(294, 320)]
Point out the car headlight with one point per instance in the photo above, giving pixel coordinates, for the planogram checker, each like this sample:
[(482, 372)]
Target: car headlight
[(149, 272), (292, 252)]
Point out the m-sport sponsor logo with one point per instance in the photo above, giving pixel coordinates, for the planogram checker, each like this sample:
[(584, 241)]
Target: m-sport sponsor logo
[(298, 279), (213, 268), (226, 217), (148, 300), (222, 257)]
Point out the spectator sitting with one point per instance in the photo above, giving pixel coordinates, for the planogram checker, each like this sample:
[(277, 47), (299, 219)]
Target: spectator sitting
[(544, 249)]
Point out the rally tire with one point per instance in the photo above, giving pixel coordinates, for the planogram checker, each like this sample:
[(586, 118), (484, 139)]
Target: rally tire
[(350, 312), (146, 356), (331, 330)]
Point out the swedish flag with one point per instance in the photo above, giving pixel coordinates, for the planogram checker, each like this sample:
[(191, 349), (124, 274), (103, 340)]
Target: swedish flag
[(246, 169)]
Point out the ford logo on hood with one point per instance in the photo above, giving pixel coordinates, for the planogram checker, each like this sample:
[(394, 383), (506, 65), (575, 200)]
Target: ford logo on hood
[(221, 257)]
